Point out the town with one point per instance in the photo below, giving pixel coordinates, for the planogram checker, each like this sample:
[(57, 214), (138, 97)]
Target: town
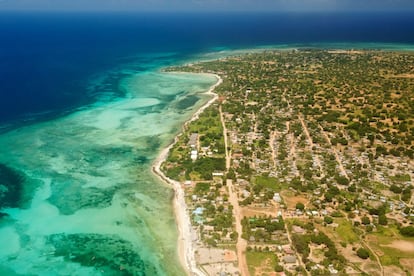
[(304, 165)]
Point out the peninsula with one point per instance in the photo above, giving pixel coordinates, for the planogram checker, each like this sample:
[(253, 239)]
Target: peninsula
[(302, 164)]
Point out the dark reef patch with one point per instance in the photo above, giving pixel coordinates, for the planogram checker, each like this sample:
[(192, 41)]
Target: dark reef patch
[(187, 102), (107, 253), (153, 143), (71, 197), (99, 156), (11, 187), (2, 215), (141, 159)]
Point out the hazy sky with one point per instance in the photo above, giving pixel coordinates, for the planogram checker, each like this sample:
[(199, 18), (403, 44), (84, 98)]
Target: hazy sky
[(211, 5)]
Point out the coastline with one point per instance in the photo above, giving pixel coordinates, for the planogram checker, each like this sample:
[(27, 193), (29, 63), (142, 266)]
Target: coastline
[(185, 239)]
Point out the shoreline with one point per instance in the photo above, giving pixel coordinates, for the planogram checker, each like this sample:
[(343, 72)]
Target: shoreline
[(186, 250)]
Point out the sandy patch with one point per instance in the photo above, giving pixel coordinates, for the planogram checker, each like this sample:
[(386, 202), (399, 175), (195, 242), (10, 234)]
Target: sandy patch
[(206, 255), (216, 269), (291, 201), (351, 271), (259, 211), (371, 268), (394, 271), (349, 52), (408, 264), (405, 76), (405, 246), (316, 253), (349, 254), (230, 256)]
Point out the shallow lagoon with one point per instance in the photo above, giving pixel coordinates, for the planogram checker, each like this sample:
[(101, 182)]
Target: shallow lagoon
[(89, 204)]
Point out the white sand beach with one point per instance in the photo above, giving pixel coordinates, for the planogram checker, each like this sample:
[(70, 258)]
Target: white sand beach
[(186, 243)]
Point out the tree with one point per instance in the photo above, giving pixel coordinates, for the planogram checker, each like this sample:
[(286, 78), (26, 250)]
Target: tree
[(278, 268), (395, 189), (352, 188), (231, 175), (382, 219), (365, 220), (234, 235), (407, 231), (300, 206), (328, 220), (342, 180), (363, 253), (300, 242)]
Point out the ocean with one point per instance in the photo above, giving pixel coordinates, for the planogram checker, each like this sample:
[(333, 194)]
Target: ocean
[(84, 111)]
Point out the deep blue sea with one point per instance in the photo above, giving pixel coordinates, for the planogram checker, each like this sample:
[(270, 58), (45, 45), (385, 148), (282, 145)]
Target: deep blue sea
[(47, 58), (85, 110)]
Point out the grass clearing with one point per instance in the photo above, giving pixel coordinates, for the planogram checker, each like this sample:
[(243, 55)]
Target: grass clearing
[(346, 231), (261, 263), (382, 243), (270, 183)]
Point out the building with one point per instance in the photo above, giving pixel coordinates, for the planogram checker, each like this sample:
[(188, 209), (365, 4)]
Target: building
[(193, 142), (194, 155), (277, 198), (199, 211), (289, 259), (218, 174)]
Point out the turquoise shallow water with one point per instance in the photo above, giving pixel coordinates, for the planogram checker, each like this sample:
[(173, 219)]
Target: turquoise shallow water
[(90, 204)]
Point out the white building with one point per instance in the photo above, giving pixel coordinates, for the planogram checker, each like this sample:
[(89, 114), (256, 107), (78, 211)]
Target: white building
[(194, 155), (277, 198)]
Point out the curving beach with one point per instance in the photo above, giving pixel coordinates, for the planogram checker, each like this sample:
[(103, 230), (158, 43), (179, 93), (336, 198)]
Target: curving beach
[(186, 238)]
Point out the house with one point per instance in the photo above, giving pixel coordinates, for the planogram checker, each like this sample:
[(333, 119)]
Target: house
[(332, 270), (298, 229), (193, 140), (289, 259), (277, 198), (218, 174), (199, 211), (245, 193), (298, 212), (288, 250), (194, 155)]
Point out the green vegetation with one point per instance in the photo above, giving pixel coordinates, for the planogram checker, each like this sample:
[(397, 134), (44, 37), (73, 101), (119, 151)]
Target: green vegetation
[(363, 253), (261, 228), (328, 220), (180, 166), (301, 244), (346, 231), (300, 206), (265, 262), (407, 231), (271, 183)]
